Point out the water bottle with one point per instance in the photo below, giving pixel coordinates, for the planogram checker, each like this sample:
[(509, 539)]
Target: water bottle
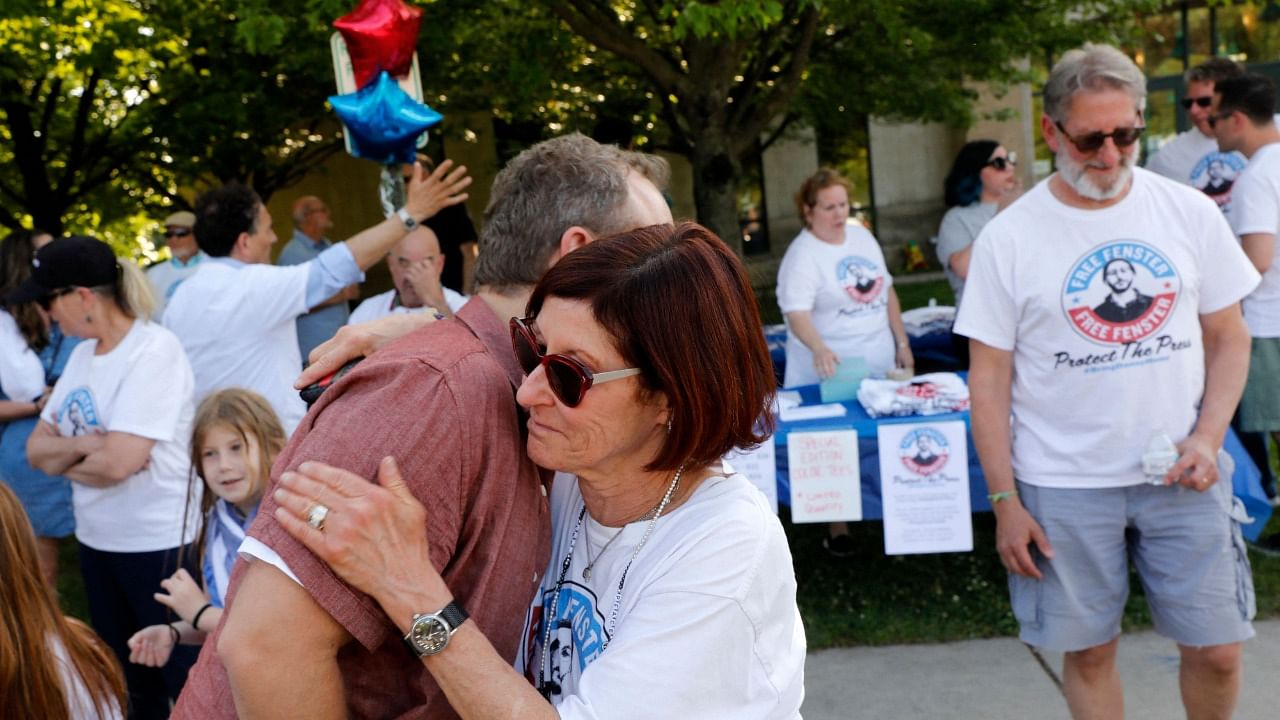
[(1160, 457)]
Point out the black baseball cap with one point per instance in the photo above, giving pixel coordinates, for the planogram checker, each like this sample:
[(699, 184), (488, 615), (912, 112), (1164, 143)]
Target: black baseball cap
[(75, 261)]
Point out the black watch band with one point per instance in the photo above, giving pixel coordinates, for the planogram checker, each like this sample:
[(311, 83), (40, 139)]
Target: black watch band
[(436, 630)]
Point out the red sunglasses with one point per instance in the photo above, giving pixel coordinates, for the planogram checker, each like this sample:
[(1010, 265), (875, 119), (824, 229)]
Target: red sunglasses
[(569, 379)]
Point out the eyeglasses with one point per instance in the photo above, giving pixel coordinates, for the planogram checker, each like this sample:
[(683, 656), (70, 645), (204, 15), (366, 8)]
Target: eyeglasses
[(177, 232), (569, 379), (1091, 142), (1003, 162), (47, 301), (1213, 119), (1203, 101)]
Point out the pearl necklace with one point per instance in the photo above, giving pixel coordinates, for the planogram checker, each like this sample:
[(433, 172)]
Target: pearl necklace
[(617, 598)]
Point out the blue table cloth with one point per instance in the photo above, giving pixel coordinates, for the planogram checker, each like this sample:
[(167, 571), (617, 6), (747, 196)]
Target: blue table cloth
[(1246, 482)]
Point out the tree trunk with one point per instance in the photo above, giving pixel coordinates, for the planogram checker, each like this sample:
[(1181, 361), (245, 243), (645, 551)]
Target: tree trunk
[(715, 189)]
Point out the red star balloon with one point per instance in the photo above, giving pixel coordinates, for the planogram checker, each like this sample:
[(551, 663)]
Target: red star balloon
[(380, 35)]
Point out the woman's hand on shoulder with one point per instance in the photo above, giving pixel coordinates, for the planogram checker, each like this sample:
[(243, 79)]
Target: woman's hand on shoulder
[(357, 341), (373, 536)]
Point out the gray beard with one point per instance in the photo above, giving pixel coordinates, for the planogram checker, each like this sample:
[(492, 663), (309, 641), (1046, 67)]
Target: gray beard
[(1076, 176)]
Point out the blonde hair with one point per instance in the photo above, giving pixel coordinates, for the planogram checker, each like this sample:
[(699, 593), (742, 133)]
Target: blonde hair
[(248, 414), (131, 291), (30, 622)]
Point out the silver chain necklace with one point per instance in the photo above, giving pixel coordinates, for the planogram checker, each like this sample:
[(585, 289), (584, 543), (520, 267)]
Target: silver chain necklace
[(617, 598)]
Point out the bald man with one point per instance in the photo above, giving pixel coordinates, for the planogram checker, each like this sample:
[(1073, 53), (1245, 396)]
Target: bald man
[(310, 223), (415, 264)]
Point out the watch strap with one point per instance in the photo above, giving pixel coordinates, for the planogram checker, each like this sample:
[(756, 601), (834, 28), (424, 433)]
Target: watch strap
[(453, 616), (410, 222)]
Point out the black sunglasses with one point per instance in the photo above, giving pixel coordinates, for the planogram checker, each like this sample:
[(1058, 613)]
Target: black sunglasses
[(177, 232), (47, 301), (1203, 101), (1003, 162), (569, 379), (1213, 119), (1091, 142)]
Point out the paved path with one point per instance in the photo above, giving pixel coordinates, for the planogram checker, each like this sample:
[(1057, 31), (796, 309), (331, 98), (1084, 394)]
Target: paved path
[(1003, 679)]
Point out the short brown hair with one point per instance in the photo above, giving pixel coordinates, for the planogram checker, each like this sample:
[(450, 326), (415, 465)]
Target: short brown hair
[(1213, 70), (807, 197), (679, 306)]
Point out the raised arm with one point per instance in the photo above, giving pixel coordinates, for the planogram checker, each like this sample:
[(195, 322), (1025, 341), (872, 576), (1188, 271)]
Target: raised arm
[(427, 194)]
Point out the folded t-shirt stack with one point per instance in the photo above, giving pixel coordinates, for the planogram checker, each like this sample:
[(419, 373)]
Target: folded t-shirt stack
[(922, 321), (929, 394)]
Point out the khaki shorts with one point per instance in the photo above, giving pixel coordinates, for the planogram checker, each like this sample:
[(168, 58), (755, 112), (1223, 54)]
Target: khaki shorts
[(1186, 546)]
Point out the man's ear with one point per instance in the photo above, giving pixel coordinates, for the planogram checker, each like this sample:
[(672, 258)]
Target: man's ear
[(1049, 131), (571, 239), (240, 250)]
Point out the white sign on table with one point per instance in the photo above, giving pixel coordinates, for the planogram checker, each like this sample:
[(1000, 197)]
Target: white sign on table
[(824, 469), (761, 468), (924, 485)]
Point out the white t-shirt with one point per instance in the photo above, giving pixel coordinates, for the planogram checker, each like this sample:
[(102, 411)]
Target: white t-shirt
[(165, 278), (1257, 210), (80, 705), (1099, 368), (707, 626), (142, 387), (379, 306), (846, 289), (237, 324), (1193, 159), (21, 372)]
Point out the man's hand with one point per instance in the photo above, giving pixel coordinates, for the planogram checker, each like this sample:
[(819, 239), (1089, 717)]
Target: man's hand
[(1016, 530), (355, 341), (429, 194), (1197, 466), (426, 283)]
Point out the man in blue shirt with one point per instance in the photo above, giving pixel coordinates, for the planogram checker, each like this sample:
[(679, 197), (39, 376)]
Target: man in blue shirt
[(311, 220)]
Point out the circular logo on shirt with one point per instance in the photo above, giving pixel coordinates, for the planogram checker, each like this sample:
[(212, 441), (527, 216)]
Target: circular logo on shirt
[(1120, 292), (860, 278), (924, 451), (1215, 173)]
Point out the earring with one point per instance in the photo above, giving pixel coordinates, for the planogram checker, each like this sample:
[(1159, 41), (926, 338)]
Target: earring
[(668, 426)]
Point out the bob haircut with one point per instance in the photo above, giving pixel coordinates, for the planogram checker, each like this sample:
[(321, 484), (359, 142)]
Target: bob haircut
[(679, 306)]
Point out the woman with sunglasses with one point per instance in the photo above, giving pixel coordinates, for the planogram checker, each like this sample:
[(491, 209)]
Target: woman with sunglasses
[(117, 425), (983, 180), (33, 352), (645, 364)]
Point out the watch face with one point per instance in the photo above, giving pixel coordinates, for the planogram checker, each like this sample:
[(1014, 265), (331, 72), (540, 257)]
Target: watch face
[(430, 635)]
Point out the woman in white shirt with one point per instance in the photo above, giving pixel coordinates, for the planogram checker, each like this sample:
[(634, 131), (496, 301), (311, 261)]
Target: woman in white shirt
[(117, 425), (838, 299)]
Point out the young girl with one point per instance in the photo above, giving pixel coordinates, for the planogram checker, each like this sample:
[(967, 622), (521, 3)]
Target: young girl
[(236, 439)]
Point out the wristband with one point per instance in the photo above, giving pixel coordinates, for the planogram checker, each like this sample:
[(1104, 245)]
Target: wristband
[(177, 636), (195, 621), (996, 498)]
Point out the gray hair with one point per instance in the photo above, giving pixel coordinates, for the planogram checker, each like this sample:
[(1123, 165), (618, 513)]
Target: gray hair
[(547, 189), (1092, 67)]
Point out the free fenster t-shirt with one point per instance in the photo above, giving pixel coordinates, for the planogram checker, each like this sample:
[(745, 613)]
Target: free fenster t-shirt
[(1193, 159), (845, 288), (1257, 210), (143, 387), (1101, 310)]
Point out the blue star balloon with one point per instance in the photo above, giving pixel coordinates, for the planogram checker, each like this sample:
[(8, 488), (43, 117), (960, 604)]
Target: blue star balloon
[(384, 122)]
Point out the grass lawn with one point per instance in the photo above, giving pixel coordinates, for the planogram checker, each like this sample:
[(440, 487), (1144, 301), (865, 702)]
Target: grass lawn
[(873, 599)]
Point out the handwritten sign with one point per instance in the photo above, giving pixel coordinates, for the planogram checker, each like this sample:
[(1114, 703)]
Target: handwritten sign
[(825, 476), (924, 484), (761, 468)]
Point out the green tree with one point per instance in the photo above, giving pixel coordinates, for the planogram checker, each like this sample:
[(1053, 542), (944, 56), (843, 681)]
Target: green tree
[(727, 77)]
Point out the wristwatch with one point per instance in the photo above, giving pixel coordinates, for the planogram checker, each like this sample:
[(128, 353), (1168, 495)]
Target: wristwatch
[(430, 632), (409, 221)]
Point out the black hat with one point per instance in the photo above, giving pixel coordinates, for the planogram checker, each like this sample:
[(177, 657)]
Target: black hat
[(76, 261)]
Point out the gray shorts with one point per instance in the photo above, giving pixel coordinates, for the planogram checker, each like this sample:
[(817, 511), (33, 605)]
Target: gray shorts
[(1187, 549)]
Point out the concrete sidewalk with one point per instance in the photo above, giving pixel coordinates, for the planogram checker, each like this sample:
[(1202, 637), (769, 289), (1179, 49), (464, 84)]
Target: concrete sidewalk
[(1002, 678)]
